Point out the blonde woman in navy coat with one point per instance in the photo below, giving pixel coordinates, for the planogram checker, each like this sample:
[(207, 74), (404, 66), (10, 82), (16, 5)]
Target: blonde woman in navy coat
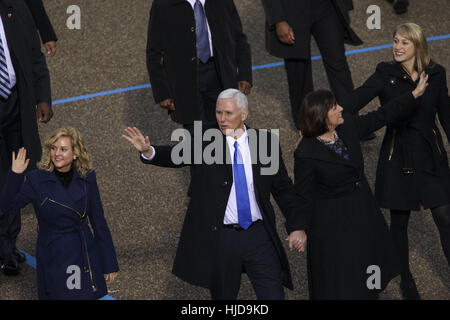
[(65, 197)]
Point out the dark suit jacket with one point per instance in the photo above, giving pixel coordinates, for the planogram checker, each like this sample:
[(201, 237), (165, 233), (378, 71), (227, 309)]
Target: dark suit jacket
[(172, 52), (210, 189), (298, 14), (33, 80), (41, 20), (64, 237)]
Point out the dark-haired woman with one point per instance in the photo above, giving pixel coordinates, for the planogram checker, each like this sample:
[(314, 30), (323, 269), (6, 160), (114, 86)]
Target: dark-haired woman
[(413, 167), (350, 255)]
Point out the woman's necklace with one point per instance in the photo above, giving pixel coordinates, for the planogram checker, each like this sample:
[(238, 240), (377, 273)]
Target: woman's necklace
[(333, 140)]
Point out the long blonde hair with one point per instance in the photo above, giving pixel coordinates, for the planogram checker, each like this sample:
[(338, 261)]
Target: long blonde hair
[(82, 163), (414, 33)]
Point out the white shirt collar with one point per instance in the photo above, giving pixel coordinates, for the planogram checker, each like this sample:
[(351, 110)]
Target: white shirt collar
[(241, 140), (192, 2)]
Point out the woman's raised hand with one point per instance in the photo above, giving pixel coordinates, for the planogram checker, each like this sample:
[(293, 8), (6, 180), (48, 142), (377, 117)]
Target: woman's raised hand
[(20, 163), (421, 86)]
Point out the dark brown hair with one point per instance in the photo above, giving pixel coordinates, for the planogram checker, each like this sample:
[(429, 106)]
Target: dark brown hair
[(314, 113)]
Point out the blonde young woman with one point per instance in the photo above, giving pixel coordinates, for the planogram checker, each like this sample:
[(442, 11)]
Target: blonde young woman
[(413, 166), (72, 263)]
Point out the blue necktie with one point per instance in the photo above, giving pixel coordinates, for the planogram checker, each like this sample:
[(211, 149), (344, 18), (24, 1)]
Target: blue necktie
[(5, 85), (203, 50), (240, 184)]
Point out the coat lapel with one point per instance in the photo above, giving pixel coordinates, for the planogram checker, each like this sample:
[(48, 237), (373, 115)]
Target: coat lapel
[(73, 197), (314, 149)]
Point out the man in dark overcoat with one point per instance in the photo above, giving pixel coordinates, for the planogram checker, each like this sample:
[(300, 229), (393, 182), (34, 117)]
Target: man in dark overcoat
[(230, 222), (25, 97), (195, 49), (289, 26)]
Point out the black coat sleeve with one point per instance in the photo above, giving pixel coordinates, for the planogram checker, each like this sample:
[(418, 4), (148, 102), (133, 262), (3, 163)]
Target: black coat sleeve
[(304, 185), (284, 194), (361, 96), (243, 52), (41, 20), (396, 110), (443, 107), (163, 158), (41, 76), (155, 55), (274, 11), (347, 4)]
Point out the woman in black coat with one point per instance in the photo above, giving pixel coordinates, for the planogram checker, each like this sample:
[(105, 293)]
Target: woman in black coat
[(413, 167), (350, 255)]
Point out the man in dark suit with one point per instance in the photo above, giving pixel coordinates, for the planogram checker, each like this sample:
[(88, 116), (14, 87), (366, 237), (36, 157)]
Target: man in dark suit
[(43, 24), (195, 48), (24, 84), (289, 26), (230, 222)]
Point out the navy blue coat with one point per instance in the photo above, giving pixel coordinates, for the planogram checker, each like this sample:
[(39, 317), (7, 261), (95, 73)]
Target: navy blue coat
[(64, 237)]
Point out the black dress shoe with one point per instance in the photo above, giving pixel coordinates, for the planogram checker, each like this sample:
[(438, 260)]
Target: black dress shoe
[(401, 6), (10, 269), (20, 257), (409, 290), (369, 137)]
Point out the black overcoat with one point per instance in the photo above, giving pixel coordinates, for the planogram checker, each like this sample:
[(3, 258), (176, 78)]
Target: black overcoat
[(41, 20), (172, 52), (413, 165), (347, 231), (298, 14), (33, 80), (210, 189)]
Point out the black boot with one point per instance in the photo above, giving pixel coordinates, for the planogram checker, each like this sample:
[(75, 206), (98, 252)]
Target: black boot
[(20, 257), (10, 266)]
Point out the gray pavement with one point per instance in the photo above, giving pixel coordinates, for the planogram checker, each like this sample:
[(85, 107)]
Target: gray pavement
[(145, 205)]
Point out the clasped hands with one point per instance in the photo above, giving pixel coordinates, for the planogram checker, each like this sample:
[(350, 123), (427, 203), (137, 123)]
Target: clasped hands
[(297, 240)]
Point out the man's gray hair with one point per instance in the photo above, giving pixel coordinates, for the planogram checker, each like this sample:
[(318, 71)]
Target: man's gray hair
[(239, 97)]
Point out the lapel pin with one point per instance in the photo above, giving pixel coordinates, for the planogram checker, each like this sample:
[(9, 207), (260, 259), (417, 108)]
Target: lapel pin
[(9, 15), (392, 81)]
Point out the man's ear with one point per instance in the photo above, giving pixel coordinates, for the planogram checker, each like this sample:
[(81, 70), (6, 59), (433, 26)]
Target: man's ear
[(244, 114)]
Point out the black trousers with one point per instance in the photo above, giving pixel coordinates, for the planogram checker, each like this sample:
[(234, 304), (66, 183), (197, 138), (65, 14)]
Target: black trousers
[(209, 88), (327, 31), (10, 140), (251, 250)]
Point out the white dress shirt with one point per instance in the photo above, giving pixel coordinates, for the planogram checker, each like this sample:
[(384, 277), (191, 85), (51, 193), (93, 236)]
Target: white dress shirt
[(231, 212), (192, 3), (12, 74)]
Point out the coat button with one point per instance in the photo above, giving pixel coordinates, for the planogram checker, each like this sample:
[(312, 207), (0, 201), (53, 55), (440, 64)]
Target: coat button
[(192, 29), (357, 184), (194, 58), (225, 183), (214, 228), (86, 269)]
